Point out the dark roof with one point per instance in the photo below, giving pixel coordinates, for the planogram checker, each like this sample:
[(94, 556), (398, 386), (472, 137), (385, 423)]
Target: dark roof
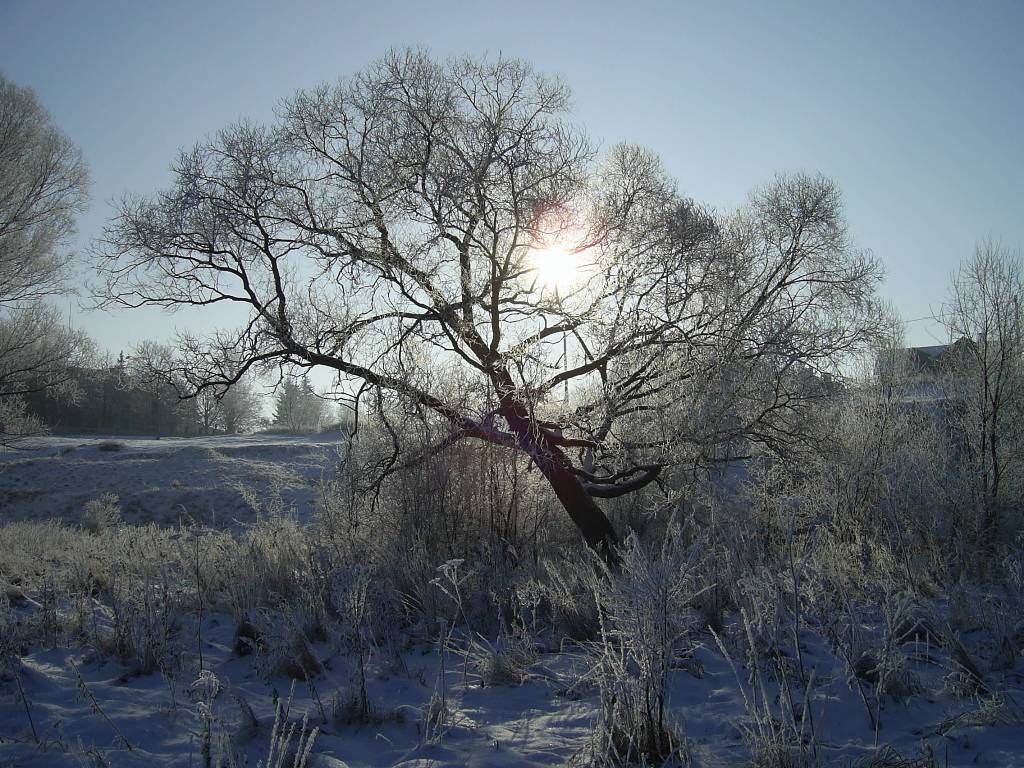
[(928, 359)]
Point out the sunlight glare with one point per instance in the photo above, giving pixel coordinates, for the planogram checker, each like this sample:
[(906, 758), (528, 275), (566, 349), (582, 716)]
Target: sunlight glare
[(557, 266)]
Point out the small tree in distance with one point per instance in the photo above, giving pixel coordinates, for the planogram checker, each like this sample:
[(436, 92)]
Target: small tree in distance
[(984, 311), (297, 407), (233, 411), (241, 408), (442, 238)]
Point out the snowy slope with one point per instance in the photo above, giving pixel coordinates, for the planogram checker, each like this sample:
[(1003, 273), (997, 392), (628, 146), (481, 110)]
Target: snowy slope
[(162, 480)]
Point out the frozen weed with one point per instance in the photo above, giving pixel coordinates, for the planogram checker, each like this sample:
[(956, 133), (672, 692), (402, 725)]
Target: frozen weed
[(992, 710), (506, 660), (570, 599), (888, 756), (643, 621), (284, 733), (778, 731), (351, 707), (964, 676), (214, 740), (100, 514)]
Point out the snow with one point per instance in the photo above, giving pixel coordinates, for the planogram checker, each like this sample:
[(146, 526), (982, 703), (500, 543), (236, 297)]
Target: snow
[(160, 480), (545, 721), (526, 726)]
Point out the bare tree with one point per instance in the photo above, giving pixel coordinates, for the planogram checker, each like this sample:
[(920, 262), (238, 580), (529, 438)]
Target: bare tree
[(241, 407), (985, 317), (43, 185), (397, 228), (208, 408)]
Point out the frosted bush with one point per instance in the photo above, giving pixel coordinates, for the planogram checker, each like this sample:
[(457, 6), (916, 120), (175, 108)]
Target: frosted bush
[(644, 621), (10, 631), (280, 647), (505, 661), (100, 514)]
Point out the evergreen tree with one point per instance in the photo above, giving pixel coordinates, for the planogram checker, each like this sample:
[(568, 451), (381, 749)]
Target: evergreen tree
[(297, 408)]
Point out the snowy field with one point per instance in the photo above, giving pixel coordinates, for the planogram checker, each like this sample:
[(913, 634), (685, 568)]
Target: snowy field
[(544, 721), (163, 480), (931, 682)]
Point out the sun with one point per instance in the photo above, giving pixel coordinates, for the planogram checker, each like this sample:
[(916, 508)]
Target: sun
[(558, 266)]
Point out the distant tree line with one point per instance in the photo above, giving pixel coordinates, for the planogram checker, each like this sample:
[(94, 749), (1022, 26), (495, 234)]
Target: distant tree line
[(119, 397), (125, 396)]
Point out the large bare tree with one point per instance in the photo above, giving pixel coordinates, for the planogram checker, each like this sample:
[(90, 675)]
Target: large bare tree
[(409, 228), (43, 185)]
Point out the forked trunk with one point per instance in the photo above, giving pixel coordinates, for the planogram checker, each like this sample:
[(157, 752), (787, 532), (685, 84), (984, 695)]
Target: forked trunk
[(584, 511), (595, 526)]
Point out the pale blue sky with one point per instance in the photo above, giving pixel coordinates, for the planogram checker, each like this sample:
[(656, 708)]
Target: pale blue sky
[(916, 109)]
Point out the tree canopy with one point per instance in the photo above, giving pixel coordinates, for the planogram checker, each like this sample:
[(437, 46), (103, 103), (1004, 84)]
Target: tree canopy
[(398, 227), (43, 186)]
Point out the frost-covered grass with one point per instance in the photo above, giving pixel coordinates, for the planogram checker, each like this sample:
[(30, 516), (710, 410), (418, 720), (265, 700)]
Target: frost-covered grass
[(387, 634)]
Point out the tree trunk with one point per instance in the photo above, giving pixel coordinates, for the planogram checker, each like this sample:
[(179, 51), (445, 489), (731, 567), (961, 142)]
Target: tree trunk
[(595, 526), (584, 511)]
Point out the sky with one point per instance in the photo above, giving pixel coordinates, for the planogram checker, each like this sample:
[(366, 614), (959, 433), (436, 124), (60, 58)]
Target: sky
[(916, 109)]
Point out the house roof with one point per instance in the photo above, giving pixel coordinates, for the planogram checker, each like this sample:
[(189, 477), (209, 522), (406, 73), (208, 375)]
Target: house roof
[(931, 357), (933, 351)]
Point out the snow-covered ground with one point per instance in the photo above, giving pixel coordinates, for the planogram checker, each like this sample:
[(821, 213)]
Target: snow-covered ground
[(69, 705), (524, 726), (164, 480), (545, 721)]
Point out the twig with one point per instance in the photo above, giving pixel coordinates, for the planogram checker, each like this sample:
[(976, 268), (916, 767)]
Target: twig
[(24, 701), (94, 705), (199, 597)]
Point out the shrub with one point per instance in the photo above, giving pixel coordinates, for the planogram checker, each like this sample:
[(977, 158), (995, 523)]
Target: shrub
[(644, 623), (506, 660), (102, 513)]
